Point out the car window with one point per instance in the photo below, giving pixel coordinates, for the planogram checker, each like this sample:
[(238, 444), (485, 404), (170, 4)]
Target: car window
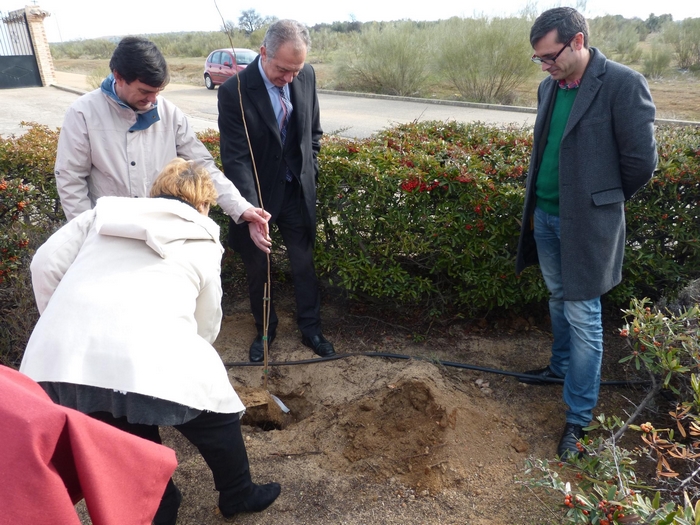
[(214, 57), (245, 57), (226, 57)]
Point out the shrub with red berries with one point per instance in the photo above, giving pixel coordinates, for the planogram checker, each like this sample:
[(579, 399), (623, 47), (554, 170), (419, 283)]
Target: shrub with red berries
[(429, 214), (27, 192)]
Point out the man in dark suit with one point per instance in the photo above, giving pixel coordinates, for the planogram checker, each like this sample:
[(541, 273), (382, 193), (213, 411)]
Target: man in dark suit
[(270, 156), (593, 149)]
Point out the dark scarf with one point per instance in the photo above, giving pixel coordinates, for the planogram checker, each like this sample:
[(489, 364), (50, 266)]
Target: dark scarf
[(144, 119)]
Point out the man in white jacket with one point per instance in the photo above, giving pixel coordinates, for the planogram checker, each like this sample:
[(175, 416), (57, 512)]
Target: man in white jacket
[(116, 139)]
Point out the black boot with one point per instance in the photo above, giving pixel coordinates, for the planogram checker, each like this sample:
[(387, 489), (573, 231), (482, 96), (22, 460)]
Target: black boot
[(169, 505), (218, 438), (260, 497)]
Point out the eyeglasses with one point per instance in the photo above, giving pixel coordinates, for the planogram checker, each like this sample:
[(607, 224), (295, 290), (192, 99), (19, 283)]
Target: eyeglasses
[(550, 61)]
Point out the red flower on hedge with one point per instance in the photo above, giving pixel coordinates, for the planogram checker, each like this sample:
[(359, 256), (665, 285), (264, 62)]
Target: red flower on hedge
[(410, 185)]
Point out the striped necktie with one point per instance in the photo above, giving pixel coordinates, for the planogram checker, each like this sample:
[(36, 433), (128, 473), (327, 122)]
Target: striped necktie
[(286, 114)]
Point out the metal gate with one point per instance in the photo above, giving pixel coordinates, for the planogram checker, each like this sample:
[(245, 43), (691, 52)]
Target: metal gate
[(18, 65)]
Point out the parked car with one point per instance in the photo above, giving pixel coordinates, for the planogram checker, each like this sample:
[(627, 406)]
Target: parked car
[(219, 65)]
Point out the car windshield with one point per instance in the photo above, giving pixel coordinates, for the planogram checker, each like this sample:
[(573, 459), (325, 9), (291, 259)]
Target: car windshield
[(245, 56)]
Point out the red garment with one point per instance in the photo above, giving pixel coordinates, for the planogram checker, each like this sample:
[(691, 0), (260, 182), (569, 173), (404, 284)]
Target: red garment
[(51, 457)]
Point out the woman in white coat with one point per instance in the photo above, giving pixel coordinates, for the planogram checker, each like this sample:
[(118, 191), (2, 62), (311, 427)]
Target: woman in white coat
[(130, 301)]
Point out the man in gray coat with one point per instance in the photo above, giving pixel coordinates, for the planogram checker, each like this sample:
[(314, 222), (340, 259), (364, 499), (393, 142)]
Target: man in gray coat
[(593, 149)]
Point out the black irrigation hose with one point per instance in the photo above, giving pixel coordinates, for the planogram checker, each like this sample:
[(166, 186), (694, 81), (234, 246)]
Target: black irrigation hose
[(437, 361)]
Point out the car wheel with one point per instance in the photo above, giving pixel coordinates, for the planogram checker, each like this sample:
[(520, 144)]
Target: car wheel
[(208, 82)]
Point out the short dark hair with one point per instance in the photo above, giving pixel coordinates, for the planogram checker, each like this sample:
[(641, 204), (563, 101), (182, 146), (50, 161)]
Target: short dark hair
[(566, 20), (137, 58)]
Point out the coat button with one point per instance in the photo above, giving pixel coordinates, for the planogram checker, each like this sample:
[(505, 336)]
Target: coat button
[(133, 163)]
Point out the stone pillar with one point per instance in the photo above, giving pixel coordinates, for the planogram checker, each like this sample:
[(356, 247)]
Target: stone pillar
[(35, 20)]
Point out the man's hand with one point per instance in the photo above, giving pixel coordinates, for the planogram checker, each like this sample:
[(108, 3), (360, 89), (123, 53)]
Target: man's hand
[(257, 219)]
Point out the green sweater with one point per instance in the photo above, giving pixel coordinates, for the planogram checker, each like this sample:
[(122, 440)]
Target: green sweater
[(547, 187)]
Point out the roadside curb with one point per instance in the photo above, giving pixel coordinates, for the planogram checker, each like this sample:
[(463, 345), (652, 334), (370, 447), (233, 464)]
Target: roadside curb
[(476, 105), (441, 102), (68, 89), (671, 122), (457, 103)]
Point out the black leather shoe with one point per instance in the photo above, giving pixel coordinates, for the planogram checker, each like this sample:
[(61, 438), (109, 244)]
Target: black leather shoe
[(542, 375), (261, 497), (569, 438), (319, 345), (257, 349)]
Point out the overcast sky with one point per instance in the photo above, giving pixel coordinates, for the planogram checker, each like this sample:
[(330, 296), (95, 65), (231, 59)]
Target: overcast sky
[(80, 19)]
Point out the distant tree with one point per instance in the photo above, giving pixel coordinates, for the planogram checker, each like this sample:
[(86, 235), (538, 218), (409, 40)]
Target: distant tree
[(250, 21), (684, 38), (346, 27), (654, 23), (229, 28), (530, 11)]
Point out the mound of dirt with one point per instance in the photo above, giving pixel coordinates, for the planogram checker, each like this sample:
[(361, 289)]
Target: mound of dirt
[(368, 439), (373, 440), (408, 425)]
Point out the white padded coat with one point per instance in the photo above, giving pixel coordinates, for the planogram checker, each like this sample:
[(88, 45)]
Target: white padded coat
[(130, 299)]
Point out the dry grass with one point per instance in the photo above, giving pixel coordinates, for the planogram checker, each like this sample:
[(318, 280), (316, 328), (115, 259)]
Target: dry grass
[(677, 96)]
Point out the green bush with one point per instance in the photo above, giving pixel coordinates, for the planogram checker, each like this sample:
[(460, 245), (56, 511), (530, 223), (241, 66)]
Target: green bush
[(602, 486), (663, 250), (84, 49), (421, 215), (28, 198), (618, 37), (684, 37), (29, 212), (390, 59), (626, 46), (324, 43), (28, 160), (657, 60), (185, 44), (485, 59), (427, 214)]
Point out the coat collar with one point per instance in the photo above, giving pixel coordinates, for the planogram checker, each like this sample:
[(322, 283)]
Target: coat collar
[(590, 84)]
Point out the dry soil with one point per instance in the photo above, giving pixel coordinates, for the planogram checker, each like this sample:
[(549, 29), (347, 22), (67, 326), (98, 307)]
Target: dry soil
[(375, 440)]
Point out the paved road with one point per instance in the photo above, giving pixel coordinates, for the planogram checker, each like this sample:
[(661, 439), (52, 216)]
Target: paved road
[(348, 116)]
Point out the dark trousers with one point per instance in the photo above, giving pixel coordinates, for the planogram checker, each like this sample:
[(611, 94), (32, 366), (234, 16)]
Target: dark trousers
[(220, 442), (299, 237)]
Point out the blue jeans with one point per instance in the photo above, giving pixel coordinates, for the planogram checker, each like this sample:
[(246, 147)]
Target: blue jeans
[(577, 326)]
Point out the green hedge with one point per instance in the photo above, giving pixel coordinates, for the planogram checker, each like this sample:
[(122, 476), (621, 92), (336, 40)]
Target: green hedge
[(663, 222), (430, 213), (423, 215), (427, 214)]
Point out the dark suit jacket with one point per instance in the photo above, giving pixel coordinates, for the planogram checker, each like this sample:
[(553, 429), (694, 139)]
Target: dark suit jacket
[(301, 146), (607, 153)]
